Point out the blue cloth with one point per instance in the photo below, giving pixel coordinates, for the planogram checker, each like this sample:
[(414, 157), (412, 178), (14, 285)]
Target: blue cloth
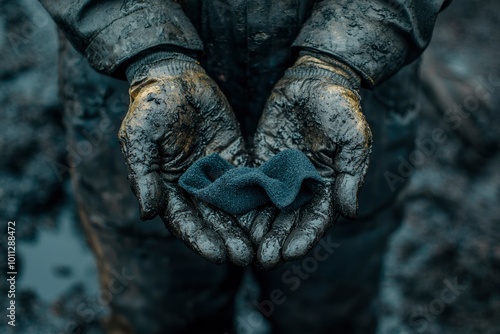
[(288, 180)]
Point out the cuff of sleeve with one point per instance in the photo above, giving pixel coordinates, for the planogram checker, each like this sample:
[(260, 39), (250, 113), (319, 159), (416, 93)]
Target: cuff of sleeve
[(344, 75), (150, 64), (144, 29)]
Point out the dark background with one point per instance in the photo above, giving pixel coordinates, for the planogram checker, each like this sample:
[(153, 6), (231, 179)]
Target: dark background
[(451, 210)]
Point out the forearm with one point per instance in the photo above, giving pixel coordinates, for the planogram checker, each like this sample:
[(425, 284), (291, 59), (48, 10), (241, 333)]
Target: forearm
[(374, 37), (110, 33)]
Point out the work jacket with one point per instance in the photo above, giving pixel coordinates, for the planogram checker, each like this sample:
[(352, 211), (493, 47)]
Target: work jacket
[(246, 46)]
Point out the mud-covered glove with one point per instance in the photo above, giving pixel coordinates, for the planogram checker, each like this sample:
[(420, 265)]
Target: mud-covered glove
[(177, 115), (314, 108)]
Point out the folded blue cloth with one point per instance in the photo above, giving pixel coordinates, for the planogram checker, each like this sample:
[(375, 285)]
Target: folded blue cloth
[(288, 180)]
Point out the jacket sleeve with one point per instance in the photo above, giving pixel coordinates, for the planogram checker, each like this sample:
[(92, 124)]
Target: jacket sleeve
[(374, 37), (108, 33)]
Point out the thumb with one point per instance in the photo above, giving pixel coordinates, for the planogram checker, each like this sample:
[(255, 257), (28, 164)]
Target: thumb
[(142, 159), (346, 194), (147, 189)]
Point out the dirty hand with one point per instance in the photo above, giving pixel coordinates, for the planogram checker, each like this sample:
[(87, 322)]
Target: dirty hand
[(314, 108), (177, 115)]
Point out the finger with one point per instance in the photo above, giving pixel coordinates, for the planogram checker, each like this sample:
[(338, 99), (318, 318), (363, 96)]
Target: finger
[(143, 174), (269, 251), (316, 217), (347, 185), (351, 162), (346, 192), (182, 219), (137, 137), (246, 220), (147, 188), (262, 223), (238, 246)]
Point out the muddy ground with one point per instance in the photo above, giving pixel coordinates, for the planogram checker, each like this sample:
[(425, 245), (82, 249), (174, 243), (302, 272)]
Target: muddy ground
[(442, 273)]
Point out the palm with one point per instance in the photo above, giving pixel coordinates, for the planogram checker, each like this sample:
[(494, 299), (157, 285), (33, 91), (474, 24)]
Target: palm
[(172, 122), (325, 122)]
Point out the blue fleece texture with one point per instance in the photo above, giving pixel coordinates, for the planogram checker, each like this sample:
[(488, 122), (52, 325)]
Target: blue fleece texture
[(288, 180)]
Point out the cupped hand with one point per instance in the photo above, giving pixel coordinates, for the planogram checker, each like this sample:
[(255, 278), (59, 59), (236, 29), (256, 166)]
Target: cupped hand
[(177, 115), (316, 109)]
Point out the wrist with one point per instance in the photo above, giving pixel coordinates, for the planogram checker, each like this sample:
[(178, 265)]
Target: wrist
[(160, 63), (317, 65)]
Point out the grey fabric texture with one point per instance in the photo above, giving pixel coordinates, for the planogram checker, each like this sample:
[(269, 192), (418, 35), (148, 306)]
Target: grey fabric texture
[(374, 37), (288, 180), (111, 33)]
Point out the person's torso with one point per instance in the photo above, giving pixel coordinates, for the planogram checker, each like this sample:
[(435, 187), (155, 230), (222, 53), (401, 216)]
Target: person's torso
[(247, 47)]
